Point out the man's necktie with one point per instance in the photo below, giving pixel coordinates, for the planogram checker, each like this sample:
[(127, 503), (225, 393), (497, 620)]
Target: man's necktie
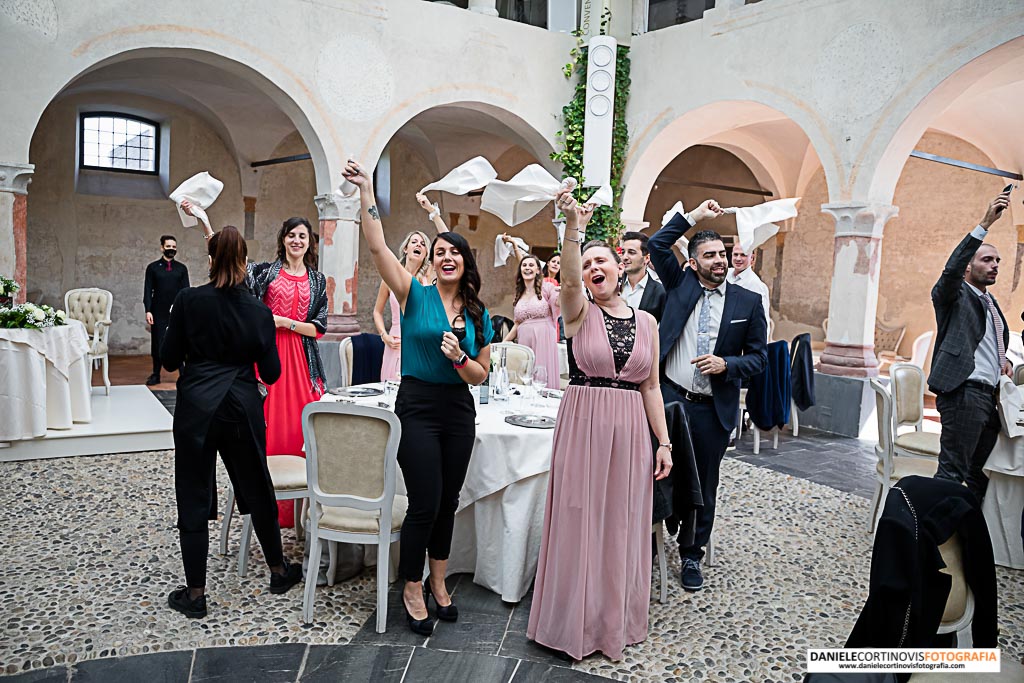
[(997, 323), (701, 383)]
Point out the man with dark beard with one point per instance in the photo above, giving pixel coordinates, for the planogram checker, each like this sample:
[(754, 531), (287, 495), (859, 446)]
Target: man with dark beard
[(165, 277), (713, 336)]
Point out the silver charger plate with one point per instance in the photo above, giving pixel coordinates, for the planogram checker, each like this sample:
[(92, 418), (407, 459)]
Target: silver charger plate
[(533, 421), (357, 392)]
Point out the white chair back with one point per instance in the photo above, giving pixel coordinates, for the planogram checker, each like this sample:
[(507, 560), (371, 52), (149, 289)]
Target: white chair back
[(908, 395), (883, 414), (519, 359), (91, 306), (922, 345), (345, 351), (1018, 375)]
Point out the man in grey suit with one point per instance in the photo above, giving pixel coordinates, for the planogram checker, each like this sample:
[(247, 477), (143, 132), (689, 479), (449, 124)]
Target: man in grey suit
[(970, 355)]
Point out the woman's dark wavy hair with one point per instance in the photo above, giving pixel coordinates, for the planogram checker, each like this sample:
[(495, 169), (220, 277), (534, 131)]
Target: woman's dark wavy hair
[(547, 271), (521, 283), (469, 285), (310, 258), (227, 252)]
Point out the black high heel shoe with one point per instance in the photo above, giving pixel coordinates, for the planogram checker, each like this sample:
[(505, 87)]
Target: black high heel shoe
[(444, 613), (422, 627)]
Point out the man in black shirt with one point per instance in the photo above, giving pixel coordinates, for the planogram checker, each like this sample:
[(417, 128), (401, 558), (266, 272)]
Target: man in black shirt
[(164, 279)]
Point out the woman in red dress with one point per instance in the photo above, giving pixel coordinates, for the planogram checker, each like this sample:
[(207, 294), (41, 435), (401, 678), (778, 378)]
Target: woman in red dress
[(296, 293)]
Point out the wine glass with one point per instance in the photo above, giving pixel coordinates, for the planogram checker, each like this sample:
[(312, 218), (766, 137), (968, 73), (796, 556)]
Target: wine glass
[(523, 400), (540, 381)]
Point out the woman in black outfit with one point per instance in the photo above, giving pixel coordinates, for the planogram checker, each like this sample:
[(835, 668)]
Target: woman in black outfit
[(219, 332), (446, 336)]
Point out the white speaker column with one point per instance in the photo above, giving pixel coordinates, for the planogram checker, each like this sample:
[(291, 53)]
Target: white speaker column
[(600, 112)]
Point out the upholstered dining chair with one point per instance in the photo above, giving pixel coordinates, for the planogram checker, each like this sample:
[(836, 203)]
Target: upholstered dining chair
[(519, 360), (351, 456), (908, 384), (1018, 375), (959, 612), (91, 306), (890, 467)]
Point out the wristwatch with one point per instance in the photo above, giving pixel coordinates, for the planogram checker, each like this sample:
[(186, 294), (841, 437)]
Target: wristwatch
[(461, 362), (666, 445), (292, 328)]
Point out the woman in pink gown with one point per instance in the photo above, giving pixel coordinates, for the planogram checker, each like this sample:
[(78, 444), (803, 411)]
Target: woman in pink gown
[(413, 255), (593, 584), (535, 315)]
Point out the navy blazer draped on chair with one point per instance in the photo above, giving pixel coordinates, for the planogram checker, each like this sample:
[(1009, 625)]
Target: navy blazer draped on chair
[(367, 355), (769, 394), (802, 371)]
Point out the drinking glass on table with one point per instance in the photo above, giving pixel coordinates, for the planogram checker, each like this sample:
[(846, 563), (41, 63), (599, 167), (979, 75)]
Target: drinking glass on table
[(540, 381)]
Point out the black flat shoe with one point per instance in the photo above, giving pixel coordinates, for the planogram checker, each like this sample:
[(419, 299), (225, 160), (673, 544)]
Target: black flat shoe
[(444, 613), (193, 609), (281, 583), (422, 627), (152, 380)]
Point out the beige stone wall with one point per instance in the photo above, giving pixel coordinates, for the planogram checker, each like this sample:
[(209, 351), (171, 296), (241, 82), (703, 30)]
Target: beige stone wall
[(286, 190), (938, 205), (79, 240)]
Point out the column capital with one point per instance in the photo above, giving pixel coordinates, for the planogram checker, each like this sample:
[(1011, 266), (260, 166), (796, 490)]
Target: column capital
[(860, 219), (336, 207), (15, 177)]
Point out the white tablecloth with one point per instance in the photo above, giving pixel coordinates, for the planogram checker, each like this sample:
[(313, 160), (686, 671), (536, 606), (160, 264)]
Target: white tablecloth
[(44, 380), (1004, 500), (501, 508)]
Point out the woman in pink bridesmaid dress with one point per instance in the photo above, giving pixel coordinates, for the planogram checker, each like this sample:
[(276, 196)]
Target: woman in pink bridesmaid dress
[(593, 585), (535, 314)]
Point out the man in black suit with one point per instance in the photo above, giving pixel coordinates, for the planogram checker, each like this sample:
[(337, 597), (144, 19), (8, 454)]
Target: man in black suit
[(970, 355), (639, 289), (165, 277), (713, 336)]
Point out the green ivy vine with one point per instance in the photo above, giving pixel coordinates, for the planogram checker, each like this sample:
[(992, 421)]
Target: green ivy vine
[(606, 223)]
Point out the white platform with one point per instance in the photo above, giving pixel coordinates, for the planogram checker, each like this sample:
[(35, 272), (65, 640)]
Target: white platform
[(130, 420)]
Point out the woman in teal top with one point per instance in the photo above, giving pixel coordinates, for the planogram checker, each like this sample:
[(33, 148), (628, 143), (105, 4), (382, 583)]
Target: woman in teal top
[(446, 336)]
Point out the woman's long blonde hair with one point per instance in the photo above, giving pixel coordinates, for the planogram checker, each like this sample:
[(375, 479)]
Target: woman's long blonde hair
[(422, 272)]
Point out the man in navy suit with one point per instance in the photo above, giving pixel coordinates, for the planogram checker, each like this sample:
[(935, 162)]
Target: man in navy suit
[(713, 336)]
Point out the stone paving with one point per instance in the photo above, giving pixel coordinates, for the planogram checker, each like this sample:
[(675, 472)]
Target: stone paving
[(92, 552)]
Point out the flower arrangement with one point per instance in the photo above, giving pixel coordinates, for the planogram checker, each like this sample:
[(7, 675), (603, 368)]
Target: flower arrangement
[(8, 287), (31, 317)]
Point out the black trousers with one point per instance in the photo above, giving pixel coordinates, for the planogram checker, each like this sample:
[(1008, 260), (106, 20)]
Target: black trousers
[(438, 431), (710, 440), (194, 484), (970, 426), (156, 334)]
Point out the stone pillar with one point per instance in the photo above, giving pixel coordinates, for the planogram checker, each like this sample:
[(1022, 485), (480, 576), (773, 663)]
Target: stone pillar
[(14, 180), (776, 289), (250, 217), (487, 7), (853, 301), (339, 261)]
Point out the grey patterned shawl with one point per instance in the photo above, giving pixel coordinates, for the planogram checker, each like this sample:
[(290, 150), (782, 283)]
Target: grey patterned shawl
[(258, 279)]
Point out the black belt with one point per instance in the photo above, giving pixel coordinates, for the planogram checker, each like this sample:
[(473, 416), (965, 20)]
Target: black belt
[(602, 382), (982, 386), (690, 396)]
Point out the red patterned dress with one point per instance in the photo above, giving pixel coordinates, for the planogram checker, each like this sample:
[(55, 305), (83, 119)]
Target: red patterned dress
[(288, 296)]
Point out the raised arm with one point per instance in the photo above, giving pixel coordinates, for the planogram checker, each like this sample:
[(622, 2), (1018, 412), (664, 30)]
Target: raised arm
[(948, 286), (572, 299), (186, 206), (398, 279), (433, 212), (516, 251), (662, 257)]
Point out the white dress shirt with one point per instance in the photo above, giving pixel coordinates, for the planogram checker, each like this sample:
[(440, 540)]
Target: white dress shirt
[(678, 367), (748, 279), (632, 294)]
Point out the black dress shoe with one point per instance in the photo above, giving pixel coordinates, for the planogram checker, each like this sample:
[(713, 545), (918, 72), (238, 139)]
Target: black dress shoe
[(444, 612), (422, 627), (152, 380), (281, 583), (193, 609), (691, 577)]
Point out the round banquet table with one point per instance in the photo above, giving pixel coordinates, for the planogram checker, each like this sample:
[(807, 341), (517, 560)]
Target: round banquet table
[(44, 380), (500, 519)]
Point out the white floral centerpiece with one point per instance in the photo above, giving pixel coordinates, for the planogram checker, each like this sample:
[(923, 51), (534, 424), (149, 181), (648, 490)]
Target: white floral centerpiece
[(8, 288), (31, 317)]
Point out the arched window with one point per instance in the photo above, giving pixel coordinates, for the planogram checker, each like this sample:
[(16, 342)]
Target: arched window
[(112, 141)]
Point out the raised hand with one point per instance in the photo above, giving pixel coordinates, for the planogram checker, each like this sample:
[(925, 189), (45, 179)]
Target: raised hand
[(709, 208), (995, 209), (355, 174), (186, 206), (424, 202)]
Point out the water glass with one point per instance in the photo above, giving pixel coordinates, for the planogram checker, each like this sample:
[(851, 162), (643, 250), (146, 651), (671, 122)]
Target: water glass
[(540, 381)]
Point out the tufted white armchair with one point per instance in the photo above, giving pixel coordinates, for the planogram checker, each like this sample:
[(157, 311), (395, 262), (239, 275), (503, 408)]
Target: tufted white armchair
[(92, 307)]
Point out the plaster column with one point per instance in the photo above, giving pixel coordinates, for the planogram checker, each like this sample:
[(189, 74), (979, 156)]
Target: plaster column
[(14, 180), (484, 7), (776, 289), (250, 217), (339, 261), (853, 301)]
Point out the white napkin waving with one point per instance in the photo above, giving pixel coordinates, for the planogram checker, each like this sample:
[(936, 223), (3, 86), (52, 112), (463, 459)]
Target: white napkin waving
[(202, 191), (502, 250), (670, 214), (603, 196), (754, 224), (472, 175), (521, 198)]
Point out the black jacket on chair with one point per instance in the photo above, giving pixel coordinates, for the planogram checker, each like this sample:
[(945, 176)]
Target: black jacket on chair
[(677, 497), (743, 332), (960, 318), (908, 593), (367, 356), (653, 299), (802, 371), (769, 394)]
